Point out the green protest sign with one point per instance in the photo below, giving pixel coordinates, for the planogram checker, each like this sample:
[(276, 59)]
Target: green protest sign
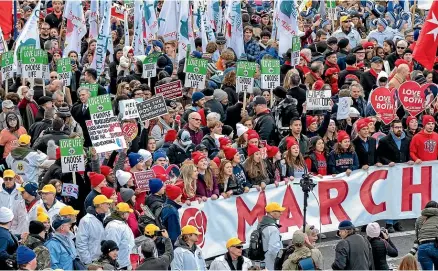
[(94, 88), (34, 63), (196, 72), (7, 65), (63, 67), (72, 155), (296, 47), (270, 69), (100, 107), (245, 75), (150, 65)]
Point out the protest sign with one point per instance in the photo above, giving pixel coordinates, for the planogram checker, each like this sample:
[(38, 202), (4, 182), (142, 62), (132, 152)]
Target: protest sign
[(270, 73), (70, 190), (142, 179), (196, 72), (129, 130), (34, 63), (416, 98), (128, 109), (21, 49), (72, 155), (3, 45), (63, 67), (343, 108), (150, 65), (383, 102), (170, 90), (7, 65), (93, 88), (100, 107), (245, 75), (296, 47), (152, 108), (318, 99)]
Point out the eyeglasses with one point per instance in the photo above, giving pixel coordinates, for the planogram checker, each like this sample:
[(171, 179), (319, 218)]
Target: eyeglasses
[(361, 52), (238, 247), (7, 179), (195, 119), (348, 21), (53, 77), (370, 48), (401, 48)]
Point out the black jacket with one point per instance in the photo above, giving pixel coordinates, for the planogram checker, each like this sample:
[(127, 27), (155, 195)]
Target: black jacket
[(40, 115), (210, 143), (233, 115), (380, 249), (388, 152), (265, 127), (353, 253), (36, 129), (365, 157), (232, 185), (298, 93), (392, 58), (343, 74), (177, 155), (53, 20), (215, 106), (232, 94), (161, 262), (41, 143), (367, 80), (81, 118)]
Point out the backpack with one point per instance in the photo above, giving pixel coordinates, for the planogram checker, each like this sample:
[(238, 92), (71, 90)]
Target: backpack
[(282, 256), (255, 250), (150, 218), (306, 264)]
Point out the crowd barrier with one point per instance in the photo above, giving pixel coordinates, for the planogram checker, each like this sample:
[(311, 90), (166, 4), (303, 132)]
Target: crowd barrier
[(379, 193)]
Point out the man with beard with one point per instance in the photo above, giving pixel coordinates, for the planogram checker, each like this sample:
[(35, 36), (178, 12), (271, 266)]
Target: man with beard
[(346, 31)]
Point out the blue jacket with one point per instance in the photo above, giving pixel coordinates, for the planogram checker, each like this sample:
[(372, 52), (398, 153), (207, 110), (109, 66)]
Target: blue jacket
[(252, 50), (170, 219), (89, 199), (62, 251), (8, 246), (339, 163), (268, 51)]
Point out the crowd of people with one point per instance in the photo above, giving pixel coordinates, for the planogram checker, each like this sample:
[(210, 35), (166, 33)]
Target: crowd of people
[(219, 142)]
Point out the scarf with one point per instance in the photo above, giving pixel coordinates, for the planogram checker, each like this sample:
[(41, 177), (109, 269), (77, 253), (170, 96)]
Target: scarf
[(373, 73), (331, 65)]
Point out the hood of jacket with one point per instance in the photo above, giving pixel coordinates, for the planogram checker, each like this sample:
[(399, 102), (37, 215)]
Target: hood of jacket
[(181, 243), (267, 220), (34, 240), (179, 145), (112, 217), (300, 253), (115, 55), (92, 211), (20, 153), (430, 212), (126, 50)]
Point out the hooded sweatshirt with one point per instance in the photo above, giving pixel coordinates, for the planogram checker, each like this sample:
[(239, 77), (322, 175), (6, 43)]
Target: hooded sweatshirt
[(424, 146), (187, 258), (25, 162)]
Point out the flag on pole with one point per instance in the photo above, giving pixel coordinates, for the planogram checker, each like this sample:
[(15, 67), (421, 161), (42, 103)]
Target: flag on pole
[(287, 24), (234, 27), (137, 41), (150, 20), (185, 36), (425, 51), (126, 26), (207, 26), (76, 28), (30, 34), (92, 19), (103, 37), (168, 21), (214, 13)]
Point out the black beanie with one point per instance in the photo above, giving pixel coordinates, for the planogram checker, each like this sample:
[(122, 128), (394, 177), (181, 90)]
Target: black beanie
[(107, 246), (36, 227), (342, 43), (162, 62)]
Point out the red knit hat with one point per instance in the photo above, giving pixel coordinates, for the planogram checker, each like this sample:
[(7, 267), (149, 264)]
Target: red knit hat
[(58, 153), (107, 191), (291, 141), (96, 179), (342, 135), (105, 170), (217, 161), (229, 153), (318, 85), (427, 119), (310, 120), (252, 149), (252, 134), (305, 57), (173, 191), (362, 123), (368, 44), (271, 151), (170, 136), (409, 119), (331, 71), (224, 141), (198, 156)]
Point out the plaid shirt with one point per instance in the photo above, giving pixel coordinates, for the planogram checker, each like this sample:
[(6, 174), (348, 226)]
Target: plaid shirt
[(252, 49)]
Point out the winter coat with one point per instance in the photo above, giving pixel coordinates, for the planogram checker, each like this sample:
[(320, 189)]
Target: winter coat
[(257, 180), (117, 229), (196, 136), (36, 243), (54, 210), (265, 127), (274, 170), (89, 199), (161, 262), (177, 153), (339, 163), (170, 219), (187, 258), (380, 249), (8, 246), (22, 216), (365, 157), (349, 70), (224, 262), (232, 94), (232, 185), (392, 58), (299, 93), (300, 253), (424, 146), (368, 80), (62, 251), (153, 202), (211, 145), (388, 152), (41, 143), (89, 235), (303, 142), (201, 187), (271, 240), (214, 105), (252, 49), (125, 62), (159, 131), (426, 225), (268, 51), (26, 162), (353, 36), (81, 118), (3, 124), (8, 200), (37, 128), (353, 253), (107, 263)]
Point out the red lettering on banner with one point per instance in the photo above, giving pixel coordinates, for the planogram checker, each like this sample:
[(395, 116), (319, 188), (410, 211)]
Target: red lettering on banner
[(292, 207), (244, 215), (408, 188), (365, 192), (327, 203)]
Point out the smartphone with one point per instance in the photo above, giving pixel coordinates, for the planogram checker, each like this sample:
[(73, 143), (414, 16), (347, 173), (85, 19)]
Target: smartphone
[(263, 143), (73, 62), (262, 265)]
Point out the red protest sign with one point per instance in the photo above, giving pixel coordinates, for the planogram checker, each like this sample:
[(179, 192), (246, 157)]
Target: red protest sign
[(129, 130), (416, 98), (142, 179), (383, 102), (170, 90)]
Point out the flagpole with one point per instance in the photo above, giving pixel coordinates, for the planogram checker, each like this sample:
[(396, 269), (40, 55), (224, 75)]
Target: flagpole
[(44, 87), (15, 20)]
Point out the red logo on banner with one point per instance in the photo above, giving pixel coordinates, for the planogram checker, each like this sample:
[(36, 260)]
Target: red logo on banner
[(416, 98), (197, 218), (383, 102)]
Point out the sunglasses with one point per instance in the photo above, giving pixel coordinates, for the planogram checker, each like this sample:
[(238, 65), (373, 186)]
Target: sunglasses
[(401, 48), (239, 247)]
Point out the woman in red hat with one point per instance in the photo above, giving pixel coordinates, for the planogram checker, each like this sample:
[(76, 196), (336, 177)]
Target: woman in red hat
[(206, 186), (316, 160), (273, 163), (255, 168), (331, 78), (228, 184), (343, 158), (232, 155), (295, 165)]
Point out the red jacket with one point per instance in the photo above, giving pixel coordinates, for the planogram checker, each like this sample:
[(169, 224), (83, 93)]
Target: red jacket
[(424, 146)]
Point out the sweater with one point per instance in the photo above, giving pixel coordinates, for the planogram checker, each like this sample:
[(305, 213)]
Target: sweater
[(424, 146), (339, 163)]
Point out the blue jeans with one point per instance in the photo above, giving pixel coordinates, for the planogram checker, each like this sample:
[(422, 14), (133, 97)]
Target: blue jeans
[(428, 256)]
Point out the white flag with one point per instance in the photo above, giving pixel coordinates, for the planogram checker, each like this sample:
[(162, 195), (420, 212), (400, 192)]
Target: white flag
[(168, 20), (103, 38), (214, 13), (92, 19), (287, 24), (126, 26), (76, 28), (30, 34), (185, 36), (137, 41), (234, 27), (150, 20)]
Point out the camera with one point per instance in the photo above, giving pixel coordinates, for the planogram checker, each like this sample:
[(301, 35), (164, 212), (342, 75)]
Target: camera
[(158, 233), (307, 183)]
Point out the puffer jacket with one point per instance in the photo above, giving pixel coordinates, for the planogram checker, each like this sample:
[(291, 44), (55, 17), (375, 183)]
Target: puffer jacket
[(299, 253), (381, 248), (107, 263), (89, 235), (36, 243), (125, 62), (177, 153), (117, 229), (187, 258), (426, 225)]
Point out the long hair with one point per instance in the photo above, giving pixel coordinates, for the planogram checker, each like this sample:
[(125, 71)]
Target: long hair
[(221, 177), (408, 263), (230, 79), (335, 135), (255, 169), (186, 173), (296, 162), (208, 178), (338, 149), (120, 88)]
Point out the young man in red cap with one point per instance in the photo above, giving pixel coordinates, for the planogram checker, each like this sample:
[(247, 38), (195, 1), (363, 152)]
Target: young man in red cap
[(424, 144), (365, 146), (97, 181)]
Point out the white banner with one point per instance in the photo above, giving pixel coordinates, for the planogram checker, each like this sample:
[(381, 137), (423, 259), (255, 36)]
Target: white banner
[(380, 193), (92, 20), (103, 38)]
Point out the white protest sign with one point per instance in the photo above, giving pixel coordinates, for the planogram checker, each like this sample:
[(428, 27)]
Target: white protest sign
[(343, 108), (128, 109), (318, 99), (70, 190)]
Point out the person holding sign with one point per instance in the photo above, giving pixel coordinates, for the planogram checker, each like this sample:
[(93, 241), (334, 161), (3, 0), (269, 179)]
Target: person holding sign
[(91, 78)]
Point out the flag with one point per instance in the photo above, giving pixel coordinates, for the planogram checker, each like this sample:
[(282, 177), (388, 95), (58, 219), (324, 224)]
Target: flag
[(425, 51), (29, 34), (103, 37), (6, 19), (214, 13), (92, 19), (126, 27), (150, 20), (185, 36), (168, 20), (234, 27), (137, 41), (275, 22), (76, 28), (322, 10), (287, 24)]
